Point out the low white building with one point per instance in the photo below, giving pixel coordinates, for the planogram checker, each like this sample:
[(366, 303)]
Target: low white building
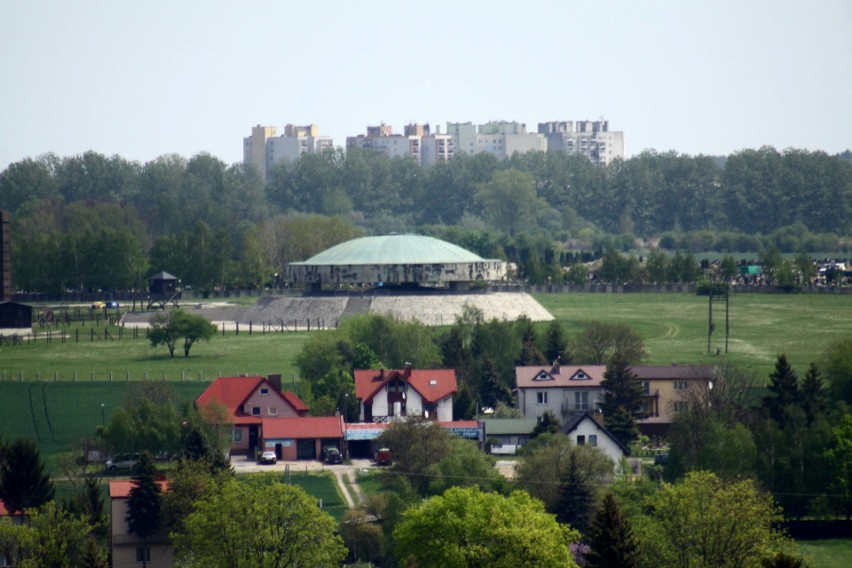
[(586, 429)]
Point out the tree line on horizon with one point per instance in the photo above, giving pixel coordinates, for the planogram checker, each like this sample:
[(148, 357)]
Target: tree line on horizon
[(91, 222)]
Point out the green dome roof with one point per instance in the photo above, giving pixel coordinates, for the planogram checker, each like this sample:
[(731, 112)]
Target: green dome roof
[(393, 249)]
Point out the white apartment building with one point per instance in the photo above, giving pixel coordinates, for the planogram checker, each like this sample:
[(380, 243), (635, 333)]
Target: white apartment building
[(264, 149), (502, 139), (382, 139), (592, 139)]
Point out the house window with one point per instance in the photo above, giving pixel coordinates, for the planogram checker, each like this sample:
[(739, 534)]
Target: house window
[(646, 387), (273, 411), (681, 385), (255, 411), (143, 554), (541, 398), (581, 440), (593, 439), (264, 391), (581, 400), (238, 436), (680, 405)]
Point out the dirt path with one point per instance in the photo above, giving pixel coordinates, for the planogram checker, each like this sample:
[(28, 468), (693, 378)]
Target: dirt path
[(338, 475), (353, 482)]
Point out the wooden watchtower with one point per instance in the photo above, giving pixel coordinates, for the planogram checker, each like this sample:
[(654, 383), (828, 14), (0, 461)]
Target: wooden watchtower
[(162, 290)]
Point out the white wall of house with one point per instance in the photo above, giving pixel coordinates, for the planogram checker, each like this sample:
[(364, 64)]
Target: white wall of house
[(413, 405), (588, 428), (534, 402)]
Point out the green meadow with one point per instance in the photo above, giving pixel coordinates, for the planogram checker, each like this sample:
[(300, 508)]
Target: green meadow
[(674, 325)]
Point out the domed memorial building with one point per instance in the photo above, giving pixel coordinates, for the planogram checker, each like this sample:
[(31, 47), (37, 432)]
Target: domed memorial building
[(404, 261)]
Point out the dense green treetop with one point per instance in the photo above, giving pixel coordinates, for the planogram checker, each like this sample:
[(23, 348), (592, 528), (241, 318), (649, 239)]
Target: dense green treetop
[(467, 527)]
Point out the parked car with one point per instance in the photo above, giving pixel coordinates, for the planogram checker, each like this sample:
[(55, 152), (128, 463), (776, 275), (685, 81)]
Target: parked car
[(384, 457), (98, 305), (112, 304), (268, 457), (330, 454), (122, 461)]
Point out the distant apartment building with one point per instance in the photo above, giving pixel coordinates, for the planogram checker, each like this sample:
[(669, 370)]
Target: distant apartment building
[(264, 149), (382, 139), (592, 139), (502, 139)]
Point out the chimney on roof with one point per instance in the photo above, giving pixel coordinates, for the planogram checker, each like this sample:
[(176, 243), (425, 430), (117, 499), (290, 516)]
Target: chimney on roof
[(381, 374), (406, 373), (598, 416), (557, 365), (275, 381)]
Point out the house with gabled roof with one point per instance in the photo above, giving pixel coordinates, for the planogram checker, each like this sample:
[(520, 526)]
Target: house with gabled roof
[(385, 394), (585, 428), (566, 389), (266, 418), (127, 549), (559, 389)]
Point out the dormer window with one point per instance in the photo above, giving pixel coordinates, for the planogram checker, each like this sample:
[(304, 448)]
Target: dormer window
[(580, 376), (264, 391), (542, 376)]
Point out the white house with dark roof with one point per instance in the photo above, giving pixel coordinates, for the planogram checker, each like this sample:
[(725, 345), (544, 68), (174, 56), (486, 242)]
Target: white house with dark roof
[(586, 429)]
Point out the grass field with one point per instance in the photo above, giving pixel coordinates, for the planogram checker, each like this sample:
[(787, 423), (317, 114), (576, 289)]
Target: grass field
[(674, 326), (57, 415), (826, 553), (227, 355)]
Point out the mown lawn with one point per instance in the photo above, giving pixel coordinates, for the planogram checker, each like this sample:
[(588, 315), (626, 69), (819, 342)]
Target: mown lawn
[(231, 354), (58, 415), (674, 325), (836, 553)]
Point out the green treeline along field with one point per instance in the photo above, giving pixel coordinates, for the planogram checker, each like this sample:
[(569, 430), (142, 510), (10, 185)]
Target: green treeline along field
[(57, 414)]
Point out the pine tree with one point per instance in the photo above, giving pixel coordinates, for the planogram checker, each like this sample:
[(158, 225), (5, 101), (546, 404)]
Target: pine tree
[(622, 404), (143, 506), (783, 390), (611, 538), (813, 393), (548, 424), (530, 353), (23, 483), (557, 343), (576, 497), (491, 389)]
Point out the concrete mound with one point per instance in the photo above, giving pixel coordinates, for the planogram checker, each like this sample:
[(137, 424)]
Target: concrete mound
[(327, 311)]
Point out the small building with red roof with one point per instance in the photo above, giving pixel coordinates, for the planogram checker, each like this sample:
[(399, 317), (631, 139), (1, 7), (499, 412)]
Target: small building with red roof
[(266, 418), (127, 549), (387, 394)]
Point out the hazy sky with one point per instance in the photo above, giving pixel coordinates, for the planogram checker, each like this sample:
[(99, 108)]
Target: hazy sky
[(146, 78)]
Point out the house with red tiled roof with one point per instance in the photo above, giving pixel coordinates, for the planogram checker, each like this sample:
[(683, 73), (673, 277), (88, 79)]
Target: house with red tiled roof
[(266, 418), (564, 390), (385, 394), (128, 549)]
